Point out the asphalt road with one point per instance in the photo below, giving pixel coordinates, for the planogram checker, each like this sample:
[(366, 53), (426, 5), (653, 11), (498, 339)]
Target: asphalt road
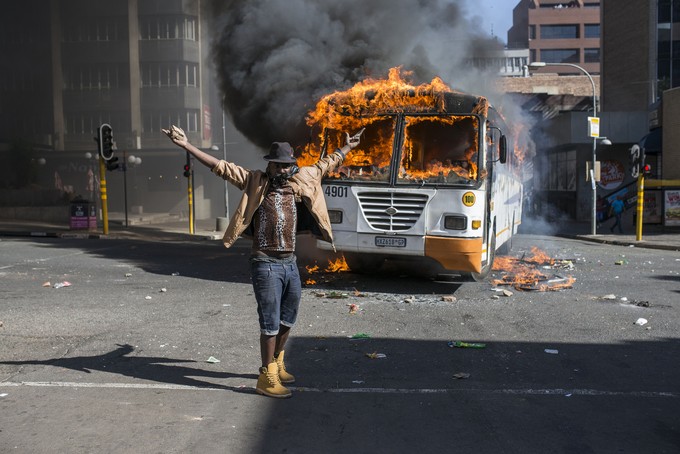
[(119, 361)]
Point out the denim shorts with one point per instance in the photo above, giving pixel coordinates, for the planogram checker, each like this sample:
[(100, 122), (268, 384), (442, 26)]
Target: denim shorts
[(277, 290)]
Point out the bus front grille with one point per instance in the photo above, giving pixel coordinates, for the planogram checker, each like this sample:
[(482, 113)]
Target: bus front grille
[(394, 212)]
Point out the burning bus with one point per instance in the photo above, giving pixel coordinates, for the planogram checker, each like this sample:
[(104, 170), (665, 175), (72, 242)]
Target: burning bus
[(433, 179)]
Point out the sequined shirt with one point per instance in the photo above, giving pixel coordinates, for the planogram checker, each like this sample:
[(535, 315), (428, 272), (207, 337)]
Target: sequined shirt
[(275, 221)]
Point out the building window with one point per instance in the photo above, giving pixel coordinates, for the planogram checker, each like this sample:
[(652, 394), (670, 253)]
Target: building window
[(562, 174), (560, 55), (169, 74), (96, 76), (153, 121), (559, 31), (592, 30), (532, 32), (171, 27), (669, 11), (96, 29), (591, 55), (591, 5)]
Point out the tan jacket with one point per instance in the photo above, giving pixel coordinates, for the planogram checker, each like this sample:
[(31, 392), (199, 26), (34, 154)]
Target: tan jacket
[(254, 184)]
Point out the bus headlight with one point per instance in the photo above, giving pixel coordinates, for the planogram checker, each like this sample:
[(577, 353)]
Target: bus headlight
[(476, 224), (455, 222), (335, 216)]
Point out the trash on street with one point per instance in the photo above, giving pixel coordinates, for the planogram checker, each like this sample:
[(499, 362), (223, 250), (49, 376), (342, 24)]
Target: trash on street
[(461, 344)]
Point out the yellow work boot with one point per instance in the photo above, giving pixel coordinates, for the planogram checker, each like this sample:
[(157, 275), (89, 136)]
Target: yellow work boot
[(269, 383), (283, 374)]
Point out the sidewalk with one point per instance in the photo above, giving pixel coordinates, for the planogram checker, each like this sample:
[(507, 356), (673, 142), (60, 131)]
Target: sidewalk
[(164, 228), (155, 228)]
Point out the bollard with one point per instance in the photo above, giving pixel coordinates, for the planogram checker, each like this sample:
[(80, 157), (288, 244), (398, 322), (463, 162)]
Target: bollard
[(221, 224)]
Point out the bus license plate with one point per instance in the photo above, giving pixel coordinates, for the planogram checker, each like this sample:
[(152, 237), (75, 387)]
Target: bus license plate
[(390, 241)]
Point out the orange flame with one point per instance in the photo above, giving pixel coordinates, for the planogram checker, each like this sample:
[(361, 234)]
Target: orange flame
[(522, 274), (360, 107), (337, 265)]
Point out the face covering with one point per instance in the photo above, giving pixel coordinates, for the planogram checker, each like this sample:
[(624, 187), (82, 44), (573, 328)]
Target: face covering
[(281, 179)]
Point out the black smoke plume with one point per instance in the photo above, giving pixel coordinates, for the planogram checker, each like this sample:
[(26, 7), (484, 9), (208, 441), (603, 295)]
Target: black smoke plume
[(276, 58)]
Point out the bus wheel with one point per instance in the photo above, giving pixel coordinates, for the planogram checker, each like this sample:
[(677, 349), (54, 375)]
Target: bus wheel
[(486, 267), (363, 263)]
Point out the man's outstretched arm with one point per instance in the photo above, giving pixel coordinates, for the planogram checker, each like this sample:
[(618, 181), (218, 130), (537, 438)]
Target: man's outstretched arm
[(180, 139)]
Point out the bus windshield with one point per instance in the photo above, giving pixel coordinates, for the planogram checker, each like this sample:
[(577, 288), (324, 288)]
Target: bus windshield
[(371, 160), (435, 149), (440, 150)]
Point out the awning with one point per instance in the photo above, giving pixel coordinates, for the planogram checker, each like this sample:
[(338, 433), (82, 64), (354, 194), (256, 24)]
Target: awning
[(652, 142)]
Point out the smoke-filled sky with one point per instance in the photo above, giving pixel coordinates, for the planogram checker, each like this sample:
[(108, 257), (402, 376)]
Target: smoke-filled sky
[(276, 58)]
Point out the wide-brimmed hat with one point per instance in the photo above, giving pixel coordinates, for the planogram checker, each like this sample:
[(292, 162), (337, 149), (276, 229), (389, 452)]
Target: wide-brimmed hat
[(281, 152)]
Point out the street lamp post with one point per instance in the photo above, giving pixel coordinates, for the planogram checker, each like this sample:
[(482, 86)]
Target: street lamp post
[(541, 64)]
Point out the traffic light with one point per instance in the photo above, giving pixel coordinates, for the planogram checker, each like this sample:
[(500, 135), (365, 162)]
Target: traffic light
[(112, 164), (645, 168), (105, 141), (635, 161), (187, 166)]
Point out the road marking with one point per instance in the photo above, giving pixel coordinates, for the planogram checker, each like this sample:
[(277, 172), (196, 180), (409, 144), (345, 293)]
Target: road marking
[(520, 392)]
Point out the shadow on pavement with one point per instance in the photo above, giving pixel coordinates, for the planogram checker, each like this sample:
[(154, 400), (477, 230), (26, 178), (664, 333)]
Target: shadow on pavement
[(154, 369), (518, 398)]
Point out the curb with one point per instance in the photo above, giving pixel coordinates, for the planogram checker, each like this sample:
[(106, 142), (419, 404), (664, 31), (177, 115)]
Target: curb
[(110, 236), (638, 244)]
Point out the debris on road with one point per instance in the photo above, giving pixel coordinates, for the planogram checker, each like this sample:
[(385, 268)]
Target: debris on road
[(523, 274), (376, 355), (449, 299), (353, 308), (461, 375), (147, 297), (128, 274), (163, 290), (360, 336), (332, 295), (62, 284), (212, 360), (461, 344), (47, 284), (641, 321), (551, 351)]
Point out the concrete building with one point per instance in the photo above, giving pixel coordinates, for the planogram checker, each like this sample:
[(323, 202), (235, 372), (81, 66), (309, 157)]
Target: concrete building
[(138, 65), (640, 74), (558, 31)]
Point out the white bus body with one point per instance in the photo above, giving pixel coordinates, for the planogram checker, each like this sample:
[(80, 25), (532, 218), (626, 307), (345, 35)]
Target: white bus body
[(438, 186)]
